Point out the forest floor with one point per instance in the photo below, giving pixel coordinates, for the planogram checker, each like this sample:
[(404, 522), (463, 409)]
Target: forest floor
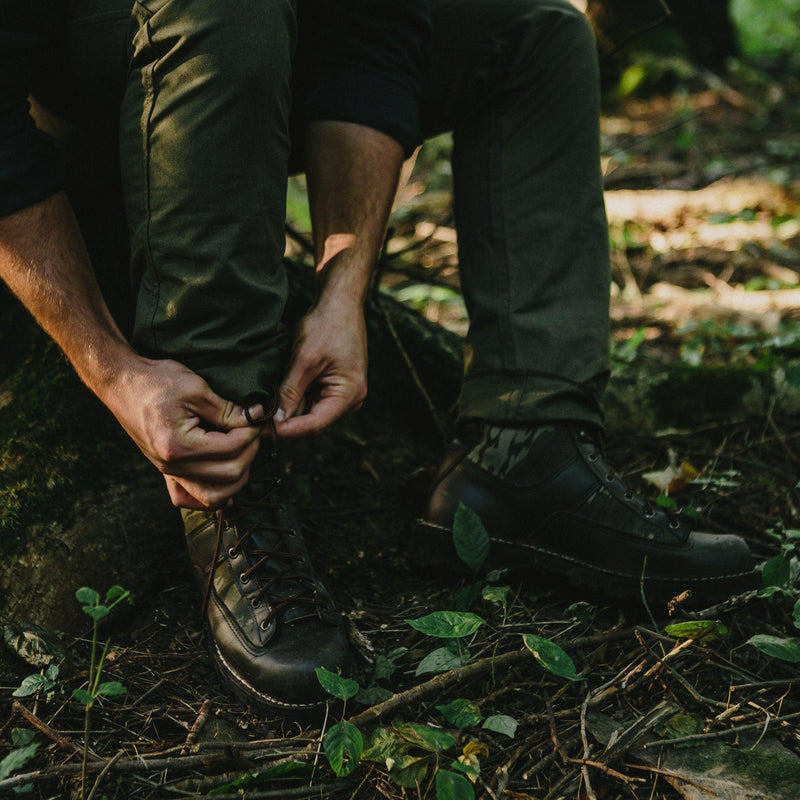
[(703, 193)]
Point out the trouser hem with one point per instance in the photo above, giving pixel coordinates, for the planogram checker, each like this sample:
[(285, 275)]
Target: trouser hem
[(525, 398)]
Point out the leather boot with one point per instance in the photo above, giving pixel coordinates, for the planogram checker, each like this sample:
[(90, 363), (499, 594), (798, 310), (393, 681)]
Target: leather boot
[(551, 502), (271, 621)]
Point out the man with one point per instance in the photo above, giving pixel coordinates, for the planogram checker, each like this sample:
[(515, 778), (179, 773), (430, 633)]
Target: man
[(212, 105)]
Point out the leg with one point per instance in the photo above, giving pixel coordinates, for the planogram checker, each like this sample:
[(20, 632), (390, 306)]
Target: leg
[(517, 82), (204, 142)]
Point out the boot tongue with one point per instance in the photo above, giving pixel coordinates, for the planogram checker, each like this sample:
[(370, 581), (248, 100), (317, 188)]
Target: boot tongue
[(262, 509)]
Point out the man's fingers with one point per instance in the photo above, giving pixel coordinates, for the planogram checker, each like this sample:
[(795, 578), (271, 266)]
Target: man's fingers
[(322, 414), (293, 390), (220, 413), (200, 496)]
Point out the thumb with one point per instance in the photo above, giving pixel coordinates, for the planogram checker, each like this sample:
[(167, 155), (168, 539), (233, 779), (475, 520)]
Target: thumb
[(221, 413), (293, 390)]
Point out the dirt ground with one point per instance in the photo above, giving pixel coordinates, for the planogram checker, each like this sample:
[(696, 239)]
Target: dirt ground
[(703, 190)]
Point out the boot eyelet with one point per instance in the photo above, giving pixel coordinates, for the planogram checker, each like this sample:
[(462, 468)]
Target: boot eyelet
[(264, 625), (629, 495), (674, 524), (232, 552), (244, 581), (592, 457), (610, 477), (255, 602), (649, 514)]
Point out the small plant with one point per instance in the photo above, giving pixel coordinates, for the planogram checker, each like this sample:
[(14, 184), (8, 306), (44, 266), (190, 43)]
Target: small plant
[(94, 688), (343, 742)]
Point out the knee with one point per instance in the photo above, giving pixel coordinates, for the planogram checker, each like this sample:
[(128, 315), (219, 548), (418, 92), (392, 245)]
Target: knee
[(246, 45)]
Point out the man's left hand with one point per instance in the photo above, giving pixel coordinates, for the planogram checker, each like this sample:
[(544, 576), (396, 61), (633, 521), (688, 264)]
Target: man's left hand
[(327, 375)]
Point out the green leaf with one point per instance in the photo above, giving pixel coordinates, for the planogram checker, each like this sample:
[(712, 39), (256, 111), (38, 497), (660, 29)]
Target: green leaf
[(22, 736), (87, 596), (501, 723), (17, 759), (31, 685), (385, 744), (373, 695), (285, 769), (111, 688), (775, 646), (51, 673), (453, 786), (343, 688), (82, 696), (465, 596), (776, 572), (96, 612), (551, 657), (434, 740), (440, 660), (461, 713), (407, 770), (470, 537), (343, 747), (796, 614), (704, 630), (447, 624), (117, 594), (496, 594)]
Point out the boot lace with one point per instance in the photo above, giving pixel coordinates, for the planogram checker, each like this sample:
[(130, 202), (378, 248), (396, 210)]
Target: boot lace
[(288, 586), (598, 455)]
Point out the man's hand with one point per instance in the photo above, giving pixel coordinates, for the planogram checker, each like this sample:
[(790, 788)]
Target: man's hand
[(327, 375), (202, 443)]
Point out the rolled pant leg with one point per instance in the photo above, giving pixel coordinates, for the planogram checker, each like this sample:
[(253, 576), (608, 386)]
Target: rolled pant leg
[(204, 152), (516, 81)]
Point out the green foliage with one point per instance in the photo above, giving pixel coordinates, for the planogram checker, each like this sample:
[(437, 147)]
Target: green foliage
[(501, 723), (777, 647), (551, 657), (767, 29), (452, 786), (33, 683), (461, 713), (470, 538), (703, 630), (336, 685), (343, 746), (447, 624), (442, 659), (286, 769)]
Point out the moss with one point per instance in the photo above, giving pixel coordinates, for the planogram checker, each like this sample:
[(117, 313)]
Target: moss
[(55, 436)]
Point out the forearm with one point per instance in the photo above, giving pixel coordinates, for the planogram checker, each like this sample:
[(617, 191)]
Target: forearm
[(44, 261), (352, 174)]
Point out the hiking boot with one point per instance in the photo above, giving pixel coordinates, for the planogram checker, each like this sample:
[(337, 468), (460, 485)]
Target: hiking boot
[(271, 621), (551, 502)]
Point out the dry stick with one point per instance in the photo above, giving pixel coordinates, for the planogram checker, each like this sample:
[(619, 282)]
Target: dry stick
[(194, 731), (554, 733), (62, 741), (447, 679), (321, 790), (699, 737), (104, 772), (133, 765), (157, 685)]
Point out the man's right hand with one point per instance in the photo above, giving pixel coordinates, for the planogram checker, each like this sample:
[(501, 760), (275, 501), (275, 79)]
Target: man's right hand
[(201, 443)]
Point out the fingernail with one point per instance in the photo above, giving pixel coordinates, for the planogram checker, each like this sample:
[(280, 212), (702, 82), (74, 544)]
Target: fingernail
[(280, 415)]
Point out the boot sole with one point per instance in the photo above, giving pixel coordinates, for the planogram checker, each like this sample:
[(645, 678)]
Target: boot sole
[(432, 546)]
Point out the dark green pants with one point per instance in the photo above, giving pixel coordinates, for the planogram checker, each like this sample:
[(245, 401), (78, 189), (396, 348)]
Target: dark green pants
[(203, 95)]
